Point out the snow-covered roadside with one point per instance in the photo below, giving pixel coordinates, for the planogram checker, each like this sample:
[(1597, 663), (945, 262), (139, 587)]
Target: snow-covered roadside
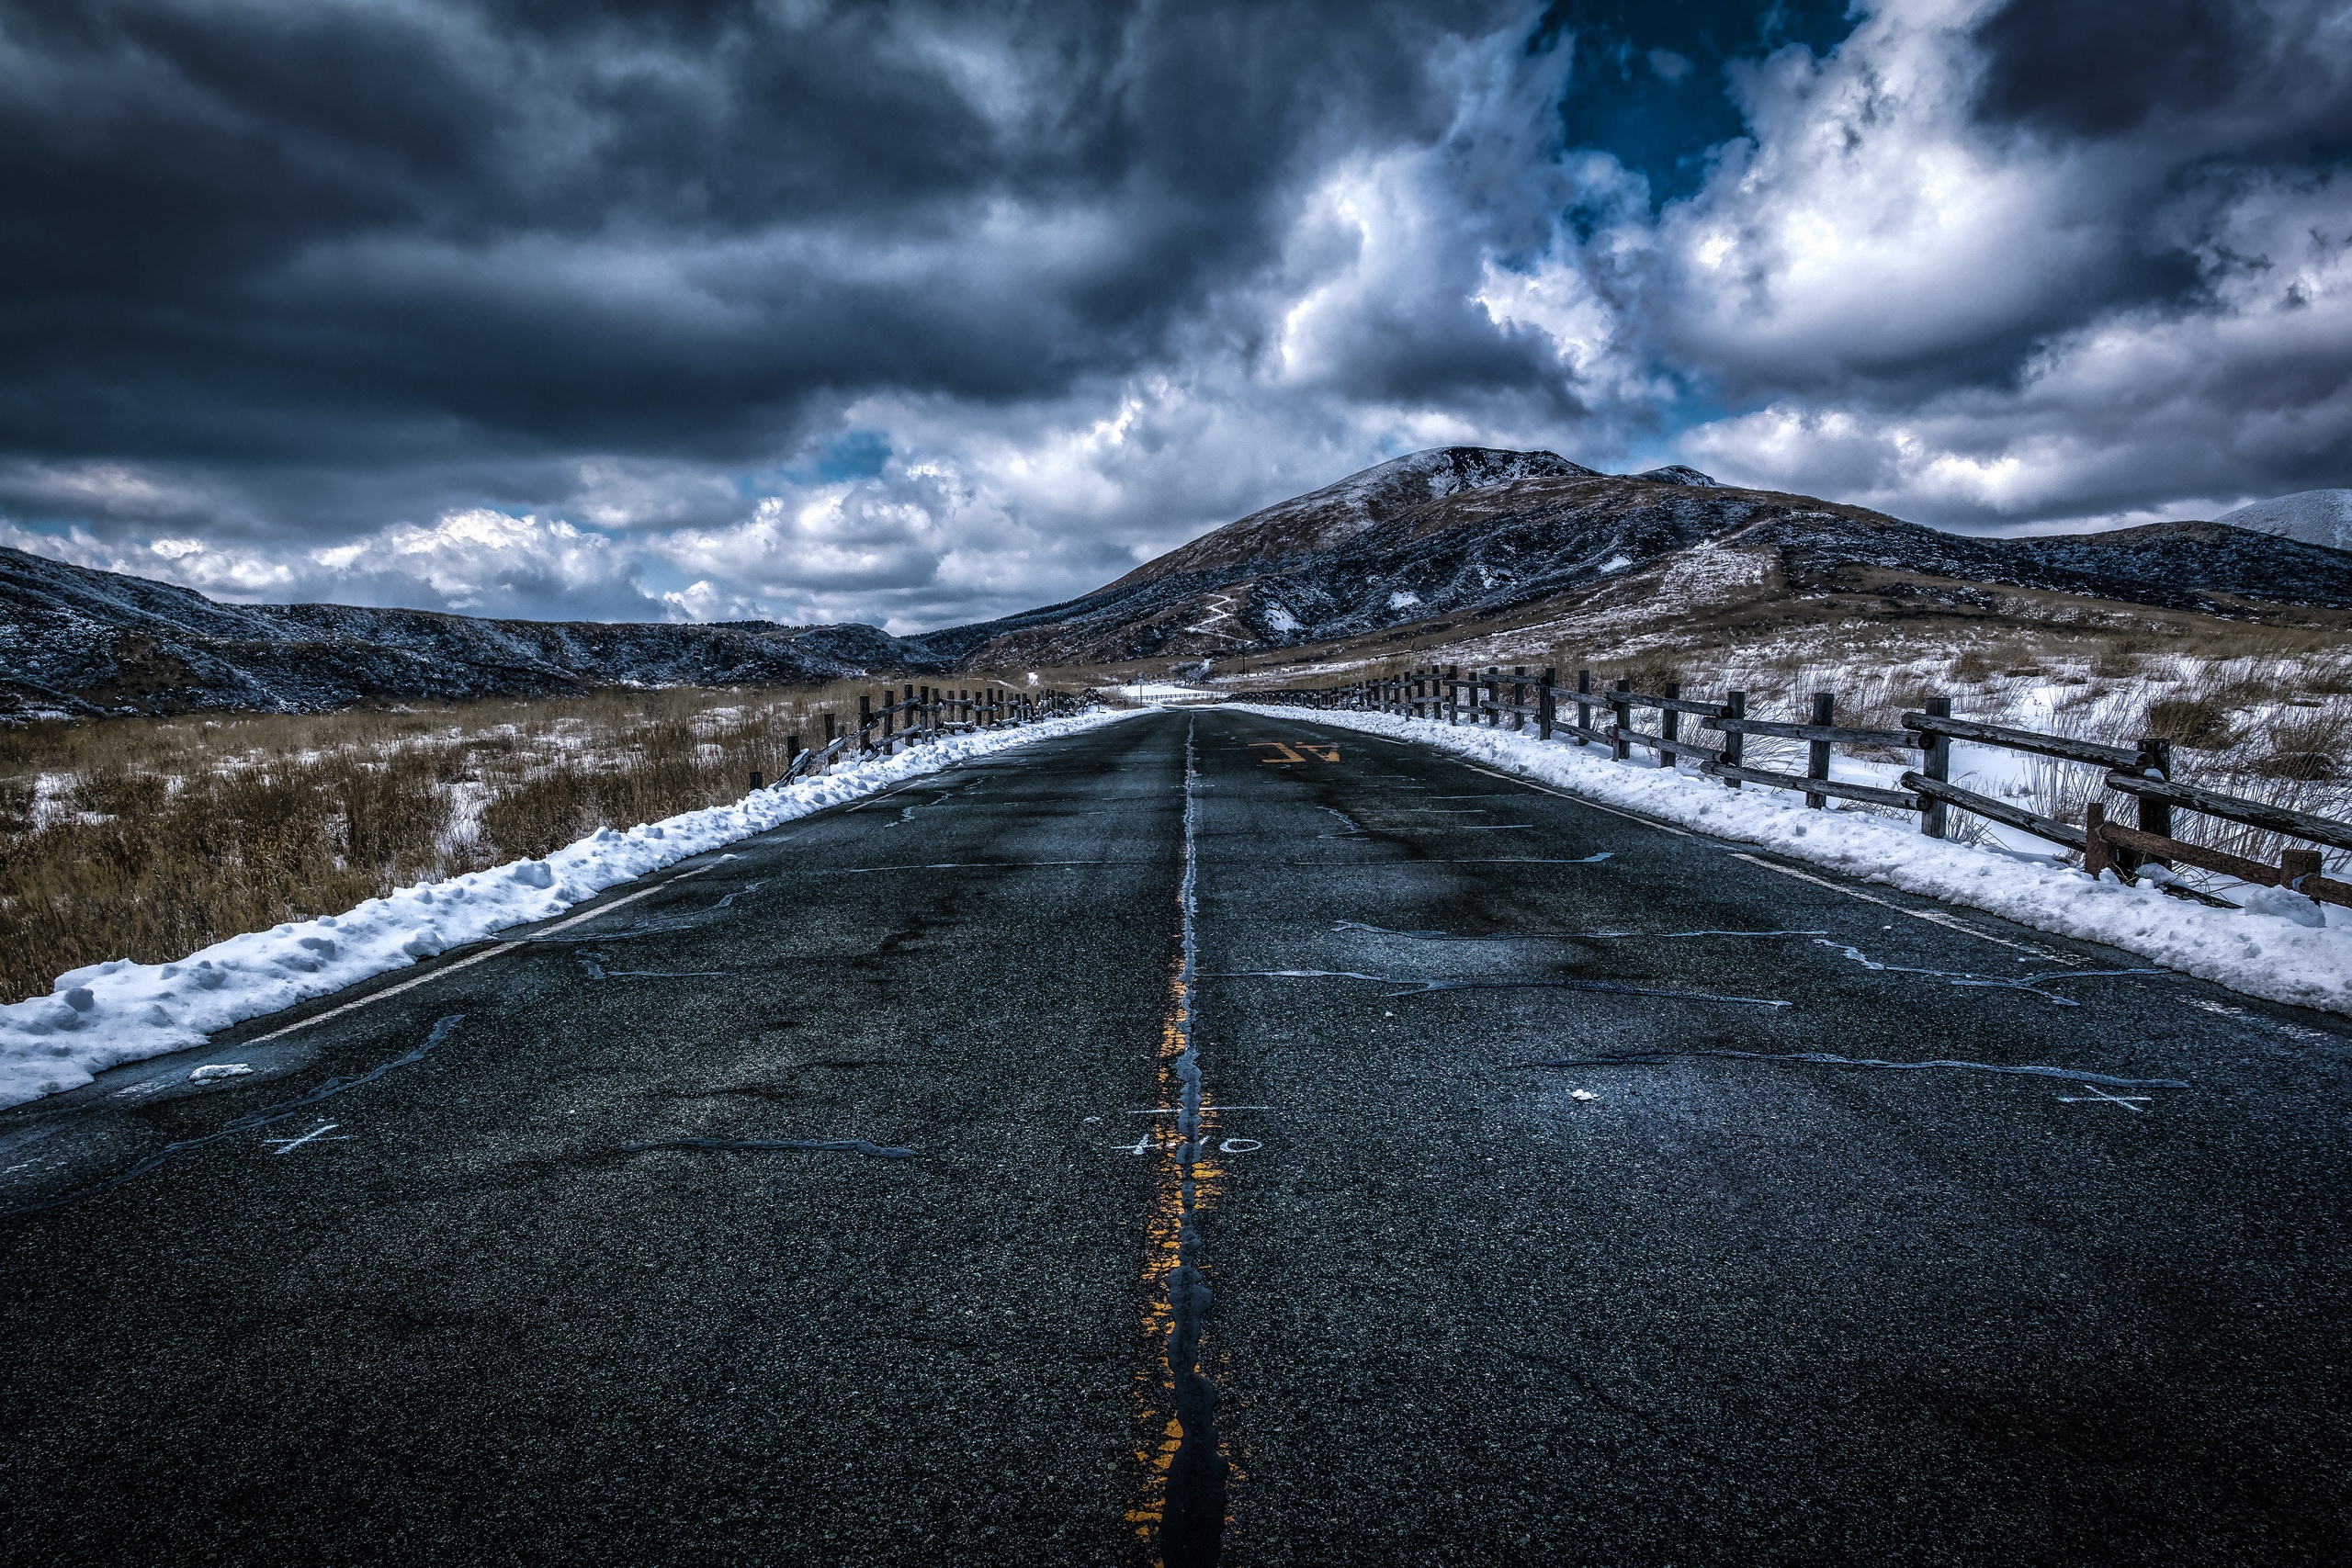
[(105, 1015), (2281, 947)]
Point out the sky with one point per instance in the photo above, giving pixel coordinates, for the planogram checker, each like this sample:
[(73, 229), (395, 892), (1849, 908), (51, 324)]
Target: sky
[(916, 314)]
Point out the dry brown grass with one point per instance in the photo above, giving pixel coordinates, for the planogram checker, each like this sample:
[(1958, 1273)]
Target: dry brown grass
[(149, 839)]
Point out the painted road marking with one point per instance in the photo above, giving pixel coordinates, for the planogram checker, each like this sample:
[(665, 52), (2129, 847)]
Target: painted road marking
[(1933, 916), (1290, 751), (488, 953), (2096, 1094), (1580, 800), (287, 1145)]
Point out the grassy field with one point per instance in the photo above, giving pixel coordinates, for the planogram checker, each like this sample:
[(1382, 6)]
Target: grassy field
[(151, 838)]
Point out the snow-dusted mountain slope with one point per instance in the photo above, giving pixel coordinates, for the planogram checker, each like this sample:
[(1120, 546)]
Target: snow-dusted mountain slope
[(2312, 516), (1468, 531)]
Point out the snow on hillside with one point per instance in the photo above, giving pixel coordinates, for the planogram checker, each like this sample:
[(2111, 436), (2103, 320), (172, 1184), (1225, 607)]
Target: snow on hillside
[(2314, 517), (106, 1014)]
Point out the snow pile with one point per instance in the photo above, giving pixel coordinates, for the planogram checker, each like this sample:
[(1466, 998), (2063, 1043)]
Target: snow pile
[(106, 1014), (2281, 947)]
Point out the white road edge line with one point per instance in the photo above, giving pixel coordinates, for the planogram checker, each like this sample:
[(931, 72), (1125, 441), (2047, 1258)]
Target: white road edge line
[(1580, 800), (468, 963), (1933, 916)]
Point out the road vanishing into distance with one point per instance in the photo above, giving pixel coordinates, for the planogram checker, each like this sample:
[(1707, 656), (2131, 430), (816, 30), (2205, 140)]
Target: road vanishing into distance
[(1154, 1145)]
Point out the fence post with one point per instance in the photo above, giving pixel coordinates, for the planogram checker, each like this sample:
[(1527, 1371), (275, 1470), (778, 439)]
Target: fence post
[(1734, 741), (826, 762), (1453, 694), (2099, 855), (1816, 752), (758, 782), (2156, 815), (2296, 868), (1494, 703), (1620, 713), (1669, 726), (865, 723), (1935, 817), (1584, 709), (1545, 705), (1517, 698)]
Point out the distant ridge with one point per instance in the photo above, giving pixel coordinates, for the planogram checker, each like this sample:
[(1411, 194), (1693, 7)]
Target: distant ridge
[(75, 642), (1414, 546), (2311, 517)]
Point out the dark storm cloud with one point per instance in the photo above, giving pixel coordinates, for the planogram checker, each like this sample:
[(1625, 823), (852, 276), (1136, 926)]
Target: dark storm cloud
[(2101, 68), (929, 312), (252, 232)]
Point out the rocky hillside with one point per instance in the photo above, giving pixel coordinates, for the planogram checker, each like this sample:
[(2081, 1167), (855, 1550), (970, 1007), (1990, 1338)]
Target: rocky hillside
[(1466, 533), (74, 641)]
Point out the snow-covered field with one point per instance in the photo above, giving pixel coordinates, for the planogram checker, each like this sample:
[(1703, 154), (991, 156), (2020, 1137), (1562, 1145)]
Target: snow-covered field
[(105, 1015), (2281, 946)]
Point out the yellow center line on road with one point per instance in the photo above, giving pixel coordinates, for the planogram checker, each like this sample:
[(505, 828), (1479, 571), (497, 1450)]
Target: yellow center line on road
[(470, 960)]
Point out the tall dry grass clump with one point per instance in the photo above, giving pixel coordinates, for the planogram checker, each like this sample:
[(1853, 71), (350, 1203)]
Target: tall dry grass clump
[(149, 839)]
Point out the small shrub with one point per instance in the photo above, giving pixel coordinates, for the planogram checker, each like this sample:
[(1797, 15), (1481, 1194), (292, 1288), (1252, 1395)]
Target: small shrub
[(2202, 722), (2308, 767)]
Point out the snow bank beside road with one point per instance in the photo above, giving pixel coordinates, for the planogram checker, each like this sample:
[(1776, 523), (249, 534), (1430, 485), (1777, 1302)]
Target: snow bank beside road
[(2282, 947), (106, 1014)]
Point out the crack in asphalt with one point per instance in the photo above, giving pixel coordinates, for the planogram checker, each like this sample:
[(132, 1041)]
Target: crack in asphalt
[(1415, 985), (809, 1145), (1824, 1059), (442, 1029)]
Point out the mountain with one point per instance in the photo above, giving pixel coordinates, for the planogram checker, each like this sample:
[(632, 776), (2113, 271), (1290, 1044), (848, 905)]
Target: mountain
[(2312, 516), (1403, 551), (1468, 533), (74, 641)]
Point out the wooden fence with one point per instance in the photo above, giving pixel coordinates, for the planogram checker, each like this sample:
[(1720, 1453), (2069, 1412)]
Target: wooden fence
[(1523, 701), (924, 715)]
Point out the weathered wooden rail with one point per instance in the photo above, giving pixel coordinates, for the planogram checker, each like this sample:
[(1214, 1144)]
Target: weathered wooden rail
[(924, 715), (1522, 699)]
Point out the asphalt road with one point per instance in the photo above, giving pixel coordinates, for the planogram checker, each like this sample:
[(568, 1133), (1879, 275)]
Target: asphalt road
[(1453, 1305)]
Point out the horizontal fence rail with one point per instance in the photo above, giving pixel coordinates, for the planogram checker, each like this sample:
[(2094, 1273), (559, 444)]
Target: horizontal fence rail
[(1535, 702), (922, 715)]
